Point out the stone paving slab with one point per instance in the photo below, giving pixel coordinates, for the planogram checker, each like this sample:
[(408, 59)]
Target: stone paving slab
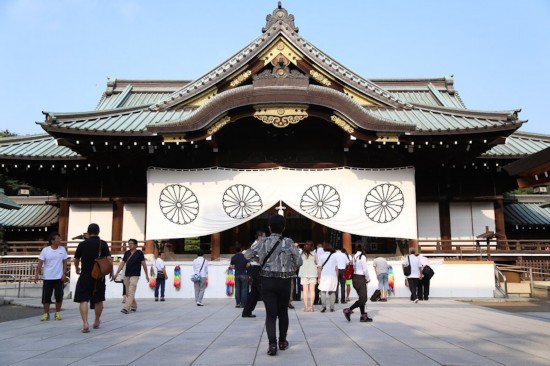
[(438, 332)]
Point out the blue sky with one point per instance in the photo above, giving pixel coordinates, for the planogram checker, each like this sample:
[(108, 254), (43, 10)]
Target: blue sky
[(57, 55)]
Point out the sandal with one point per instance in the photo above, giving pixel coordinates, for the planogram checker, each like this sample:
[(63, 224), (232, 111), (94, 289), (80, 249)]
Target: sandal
[(96, 326)]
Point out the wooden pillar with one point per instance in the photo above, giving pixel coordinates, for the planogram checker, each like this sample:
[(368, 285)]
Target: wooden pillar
[(346, 242), (116, 235), (149, 247), (215, 244), (413, 243), (500, 226), (63, 226), (445, 223)]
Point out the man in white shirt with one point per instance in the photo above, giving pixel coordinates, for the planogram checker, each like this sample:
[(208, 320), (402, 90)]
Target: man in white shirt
[(53, 259), (342, 261), (416, 273)]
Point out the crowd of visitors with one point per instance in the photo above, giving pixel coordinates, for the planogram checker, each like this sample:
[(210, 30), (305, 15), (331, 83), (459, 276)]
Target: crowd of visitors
[(270, 271)]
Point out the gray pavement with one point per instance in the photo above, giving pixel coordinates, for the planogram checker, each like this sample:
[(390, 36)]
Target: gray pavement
[(438, 332)]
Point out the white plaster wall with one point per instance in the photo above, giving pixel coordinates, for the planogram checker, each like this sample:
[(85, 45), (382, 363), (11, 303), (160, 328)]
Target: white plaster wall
[(428, 220), (83, 214), (468, 219), (133, 221), (460, 280)]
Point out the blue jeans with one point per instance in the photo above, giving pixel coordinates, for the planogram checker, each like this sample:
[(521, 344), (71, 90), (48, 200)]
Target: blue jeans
[(383, 281), (160, 283), (241, 289)]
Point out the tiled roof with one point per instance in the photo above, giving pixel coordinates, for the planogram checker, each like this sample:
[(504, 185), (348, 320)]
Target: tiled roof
[(437, 92), (30, 216), (237, 61), (526, 214), (123, 93), (127, 122), (35, 147), (6, 202), (446, 121), (519, 144)]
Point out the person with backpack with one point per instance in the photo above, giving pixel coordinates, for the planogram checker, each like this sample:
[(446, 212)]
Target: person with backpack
[(360, 280)]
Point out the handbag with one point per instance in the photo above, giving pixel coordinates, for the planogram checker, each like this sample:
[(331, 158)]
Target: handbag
[(407, 268), (102, 265), (196, 277), (428, 272), (348, 271)]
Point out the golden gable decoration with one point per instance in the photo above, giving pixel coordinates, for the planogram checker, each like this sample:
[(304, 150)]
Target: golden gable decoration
[(222, 121), (281, 115), (341, 122)]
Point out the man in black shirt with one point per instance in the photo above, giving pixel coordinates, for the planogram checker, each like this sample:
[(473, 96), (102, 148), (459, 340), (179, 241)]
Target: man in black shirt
[(89, 290), (239, 263), (133, 259)]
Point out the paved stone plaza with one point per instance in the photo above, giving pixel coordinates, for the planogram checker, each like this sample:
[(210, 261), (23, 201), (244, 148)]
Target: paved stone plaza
[(177, 332)]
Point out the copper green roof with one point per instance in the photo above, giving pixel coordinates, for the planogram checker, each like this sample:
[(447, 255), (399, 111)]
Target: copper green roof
[(35, 147), (124, 93), (519, 145), (118, 122), (35, 215), (436, 92), (526, 214), (6, 203)]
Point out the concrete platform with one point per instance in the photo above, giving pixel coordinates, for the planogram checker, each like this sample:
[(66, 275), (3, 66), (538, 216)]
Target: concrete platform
[(437, 332)]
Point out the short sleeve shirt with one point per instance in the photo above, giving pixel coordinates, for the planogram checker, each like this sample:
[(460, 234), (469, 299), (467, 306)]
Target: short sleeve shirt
[(133, 266), (240, 264), (88, 250), (53, 262)]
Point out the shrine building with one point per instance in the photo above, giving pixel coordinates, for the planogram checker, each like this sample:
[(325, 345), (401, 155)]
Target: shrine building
[(280, 126)]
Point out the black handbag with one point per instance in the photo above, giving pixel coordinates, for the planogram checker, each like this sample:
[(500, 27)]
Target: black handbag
[(428, 272), (407, 268)]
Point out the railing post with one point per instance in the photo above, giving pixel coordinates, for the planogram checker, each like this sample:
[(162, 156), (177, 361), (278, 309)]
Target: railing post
[(531, 281)]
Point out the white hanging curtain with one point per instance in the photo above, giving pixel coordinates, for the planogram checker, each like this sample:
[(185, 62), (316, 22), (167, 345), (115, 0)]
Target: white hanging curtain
[(190, 203)]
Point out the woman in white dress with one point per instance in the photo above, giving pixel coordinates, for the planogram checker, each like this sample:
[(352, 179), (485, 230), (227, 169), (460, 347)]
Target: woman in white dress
[(327, 268), (308, 275)]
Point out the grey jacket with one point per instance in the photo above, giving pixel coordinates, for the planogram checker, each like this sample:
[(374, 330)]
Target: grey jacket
[(285, 260)]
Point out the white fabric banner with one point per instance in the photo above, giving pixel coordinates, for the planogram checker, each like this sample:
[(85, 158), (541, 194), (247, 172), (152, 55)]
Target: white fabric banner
[(190, 203)]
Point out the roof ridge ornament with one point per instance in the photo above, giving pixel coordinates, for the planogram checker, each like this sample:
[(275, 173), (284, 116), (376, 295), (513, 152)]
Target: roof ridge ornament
[(281, 16)]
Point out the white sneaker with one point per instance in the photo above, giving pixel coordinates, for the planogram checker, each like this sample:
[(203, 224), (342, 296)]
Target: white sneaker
[(416, 301)]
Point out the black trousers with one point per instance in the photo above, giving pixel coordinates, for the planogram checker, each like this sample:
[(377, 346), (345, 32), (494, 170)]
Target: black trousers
[(413, 286), (360, 285), (275, 294), (423, 291), (341, 286), (253, 296)]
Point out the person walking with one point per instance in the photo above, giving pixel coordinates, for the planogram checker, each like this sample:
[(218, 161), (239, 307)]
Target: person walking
[(200, 266), (416, 273), (342, 261), (327, 269), (308, 275), (350, 281), (360, 280), (132, 262), (88, 289), (279, 260), (381, 267), (162, 276), (53, 259), (240, 264), (423, 290), (255, 288)]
